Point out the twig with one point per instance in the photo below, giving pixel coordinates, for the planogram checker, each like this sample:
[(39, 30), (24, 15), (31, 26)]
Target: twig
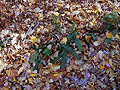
[(30, 30)]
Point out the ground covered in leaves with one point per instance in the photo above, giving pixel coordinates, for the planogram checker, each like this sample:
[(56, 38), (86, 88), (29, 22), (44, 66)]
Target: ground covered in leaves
[(59, 45)]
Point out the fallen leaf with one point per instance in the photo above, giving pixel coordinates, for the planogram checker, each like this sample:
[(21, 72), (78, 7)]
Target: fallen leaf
[(4, 88), (64, 40), (87, 38), (30, 81), (12, 73), (33, 39), (33, 74), (117, 36), (56, 13), (110, 61), (40, 15), (56, 68), (91, 84), (49, 46), (109, 34), (101, 66), (96, 43), (38, 30), (20, 70)]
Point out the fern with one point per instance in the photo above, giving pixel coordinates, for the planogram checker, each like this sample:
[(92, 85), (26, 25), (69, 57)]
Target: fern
[(72, 28), (69, 49), (57, 24), (64, 59), (78, 44), (71, 36), (34, 56), (38, 62), (58, 57)]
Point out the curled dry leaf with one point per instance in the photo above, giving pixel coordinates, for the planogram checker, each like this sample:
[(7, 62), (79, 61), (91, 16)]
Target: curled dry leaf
[(12, 73)]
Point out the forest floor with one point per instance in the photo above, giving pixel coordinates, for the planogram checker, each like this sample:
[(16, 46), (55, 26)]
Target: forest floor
[(59, 45)]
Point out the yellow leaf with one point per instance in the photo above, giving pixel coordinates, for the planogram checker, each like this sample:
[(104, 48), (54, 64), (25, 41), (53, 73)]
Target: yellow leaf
[(40, 15), (109, 34), (56, 13), (33, 74), (110, 61), (60, 4), (57, 8), (94, 22), (87, 38), (78, 36), (64, 40), (104, 63), (33, 39), (116, 36), (30, 80), (101, 66), (91, 84), (8, 72), (57, 74), (38, 30), (95, 11), (15, 80)]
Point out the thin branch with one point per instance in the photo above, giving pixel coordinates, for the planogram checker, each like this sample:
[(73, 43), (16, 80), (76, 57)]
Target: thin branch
[(30, 30)]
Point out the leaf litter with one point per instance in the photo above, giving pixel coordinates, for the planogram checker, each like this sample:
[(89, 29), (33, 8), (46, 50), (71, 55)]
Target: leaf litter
[(59, 44)]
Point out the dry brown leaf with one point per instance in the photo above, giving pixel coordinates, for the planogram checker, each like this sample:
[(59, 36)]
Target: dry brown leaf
[(12, 73)]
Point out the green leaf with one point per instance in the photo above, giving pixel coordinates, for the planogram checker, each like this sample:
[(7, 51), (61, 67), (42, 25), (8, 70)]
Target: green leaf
[(72, 28), (45, 51), (39, 62), (71, 36), (34, 56), (64, 59), (7, 39), (57, 24), (35, 48), (36, 66), (114, 32), (1, 43), (93, 36), (58, 57), (107, 40), (106, 21), (78, 44), (69, 49)]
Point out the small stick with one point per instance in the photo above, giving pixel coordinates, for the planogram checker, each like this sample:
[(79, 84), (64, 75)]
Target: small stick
[(30, 31)]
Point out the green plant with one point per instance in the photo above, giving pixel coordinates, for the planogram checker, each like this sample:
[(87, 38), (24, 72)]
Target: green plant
[(110, 21), (2, 43), (57, 23), (44, 50), (62, 48), (71, 38)]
